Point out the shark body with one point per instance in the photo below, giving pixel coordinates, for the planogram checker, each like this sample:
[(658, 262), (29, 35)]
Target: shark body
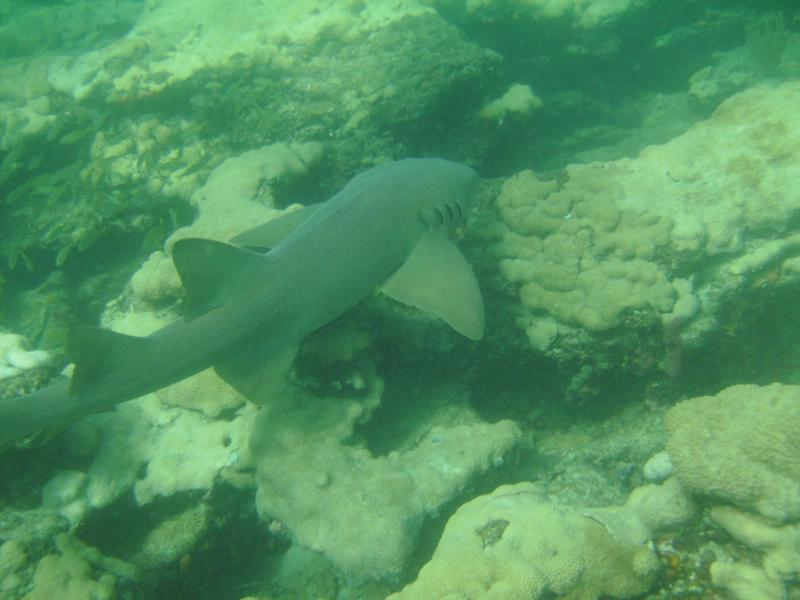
[(249, 304)]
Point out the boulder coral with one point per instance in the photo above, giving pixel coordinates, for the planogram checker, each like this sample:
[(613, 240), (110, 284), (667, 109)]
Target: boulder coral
[(610, 236), (514, 544), (741, 446)]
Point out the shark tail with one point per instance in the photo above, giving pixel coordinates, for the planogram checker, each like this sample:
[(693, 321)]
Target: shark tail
[(45, 408)]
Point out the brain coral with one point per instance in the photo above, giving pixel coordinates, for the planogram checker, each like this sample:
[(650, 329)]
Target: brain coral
[(741, 446)]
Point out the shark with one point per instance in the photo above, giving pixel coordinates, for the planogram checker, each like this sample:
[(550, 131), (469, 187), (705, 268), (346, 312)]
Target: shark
[(249, 303)]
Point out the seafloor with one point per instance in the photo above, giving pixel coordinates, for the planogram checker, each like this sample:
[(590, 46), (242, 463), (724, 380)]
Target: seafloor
[(629, 425)]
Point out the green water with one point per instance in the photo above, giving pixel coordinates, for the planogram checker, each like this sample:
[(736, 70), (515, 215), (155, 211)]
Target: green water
[(635, 241)]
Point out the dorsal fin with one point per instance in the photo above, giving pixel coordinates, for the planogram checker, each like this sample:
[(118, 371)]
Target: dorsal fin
[(96, 352), (209, 271), (268, 235)]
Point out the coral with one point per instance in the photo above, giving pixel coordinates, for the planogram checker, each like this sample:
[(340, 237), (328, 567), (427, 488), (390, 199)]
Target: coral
[(781, 549), (167, 33), (173, 538), (189, 453), (12, 559), (156, 280), (125, 445), (180, 450), (513, 543), (745, 582), (609, 236), (69, 545), (65, 493), (16, 357), (659, 507), (69, 577), (741, 446), (229, 202), (206, 391), (362, 512), (121, 443), (576, 256), (518, 100), (658, 467)]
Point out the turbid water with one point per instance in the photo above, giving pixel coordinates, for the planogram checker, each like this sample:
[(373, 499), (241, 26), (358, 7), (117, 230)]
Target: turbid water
[(623, 424)]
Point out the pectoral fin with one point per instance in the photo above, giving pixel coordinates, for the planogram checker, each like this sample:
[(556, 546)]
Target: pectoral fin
[(257, 369), (269, 234), (437, 278)]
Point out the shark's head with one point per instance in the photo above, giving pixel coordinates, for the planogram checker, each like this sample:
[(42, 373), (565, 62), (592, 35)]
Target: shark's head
[(440, 192)]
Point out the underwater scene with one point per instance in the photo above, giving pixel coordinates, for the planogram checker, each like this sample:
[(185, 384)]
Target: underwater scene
[(405, 299)]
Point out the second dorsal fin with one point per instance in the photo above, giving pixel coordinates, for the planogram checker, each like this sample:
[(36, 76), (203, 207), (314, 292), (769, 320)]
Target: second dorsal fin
[(210, 271)]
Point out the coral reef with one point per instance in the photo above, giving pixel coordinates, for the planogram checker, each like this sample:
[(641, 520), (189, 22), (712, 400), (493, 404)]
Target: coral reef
[(738, 446), (180, 54), (714, 205), (622, 239), (101, 147), (363, 512)]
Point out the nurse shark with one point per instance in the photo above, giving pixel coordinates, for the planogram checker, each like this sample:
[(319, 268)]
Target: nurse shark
[(250, 303)]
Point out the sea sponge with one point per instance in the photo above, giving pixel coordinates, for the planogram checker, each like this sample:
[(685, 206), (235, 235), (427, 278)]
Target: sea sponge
[(741, 446)]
